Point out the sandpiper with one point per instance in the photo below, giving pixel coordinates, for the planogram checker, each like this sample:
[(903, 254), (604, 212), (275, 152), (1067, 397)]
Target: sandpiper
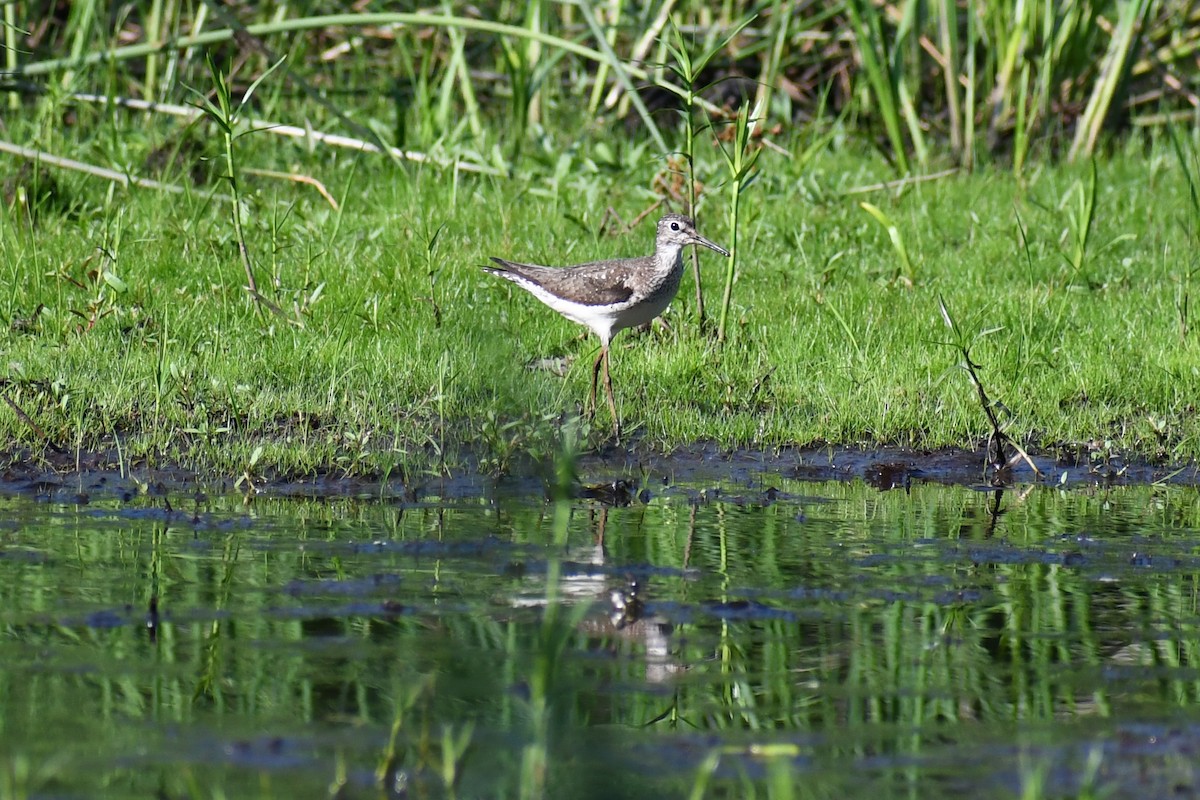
[(608, 296)]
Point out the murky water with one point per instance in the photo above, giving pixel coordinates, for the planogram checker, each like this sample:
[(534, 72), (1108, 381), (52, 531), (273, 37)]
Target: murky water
[(771, 638)]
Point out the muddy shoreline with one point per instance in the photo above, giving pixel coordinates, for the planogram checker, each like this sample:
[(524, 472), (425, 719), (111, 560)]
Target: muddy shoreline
[(614, 474)]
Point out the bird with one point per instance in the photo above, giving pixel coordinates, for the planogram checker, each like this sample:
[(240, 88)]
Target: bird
[(609, 296)]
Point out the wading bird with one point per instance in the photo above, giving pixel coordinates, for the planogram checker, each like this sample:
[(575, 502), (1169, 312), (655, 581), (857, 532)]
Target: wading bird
[(607, 296)]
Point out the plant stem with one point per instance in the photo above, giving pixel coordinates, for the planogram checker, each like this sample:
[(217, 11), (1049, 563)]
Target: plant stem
[(235, 205), (731, 262)]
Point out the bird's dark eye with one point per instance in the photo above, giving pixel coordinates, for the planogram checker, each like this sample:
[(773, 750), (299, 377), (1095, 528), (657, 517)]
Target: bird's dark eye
[(674, 226)]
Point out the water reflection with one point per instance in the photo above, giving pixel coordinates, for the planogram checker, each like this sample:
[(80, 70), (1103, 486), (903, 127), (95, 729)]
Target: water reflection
[(738, 637)]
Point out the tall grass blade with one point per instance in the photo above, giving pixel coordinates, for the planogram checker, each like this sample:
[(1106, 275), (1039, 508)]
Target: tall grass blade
[(520, 81), (740, 159), (1125, 42), (622, 74), (865, 25), (969, 110), (600, 81), (1022, 133), (781, 19), (79, 25), (458, 63), (652, 34), (905, 272), (535, 19), (1189, 164), (1012, 23), (901, 76), (154, 27), (948, 37), (10, 49), (1082, 217)]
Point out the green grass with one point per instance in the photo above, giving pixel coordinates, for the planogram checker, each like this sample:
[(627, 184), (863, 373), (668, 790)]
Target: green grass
[(392, 351), (373, 343)]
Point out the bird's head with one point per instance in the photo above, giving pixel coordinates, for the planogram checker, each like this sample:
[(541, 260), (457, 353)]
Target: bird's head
[(676, 230)]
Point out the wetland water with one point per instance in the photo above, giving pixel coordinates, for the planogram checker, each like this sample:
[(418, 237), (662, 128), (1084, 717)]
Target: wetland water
[(786, 638)]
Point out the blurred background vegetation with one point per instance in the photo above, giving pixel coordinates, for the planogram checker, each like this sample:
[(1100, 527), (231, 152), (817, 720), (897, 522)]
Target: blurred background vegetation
[(504, 86)]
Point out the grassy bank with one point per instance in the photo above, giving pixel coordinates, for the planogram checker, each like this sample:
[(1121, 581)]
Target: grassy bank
[(374, 344), (128, 329)]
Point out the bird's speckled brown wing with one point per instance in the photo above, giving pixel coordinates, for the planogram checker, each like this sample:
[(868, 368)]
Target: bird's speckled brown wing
[(602, 283)]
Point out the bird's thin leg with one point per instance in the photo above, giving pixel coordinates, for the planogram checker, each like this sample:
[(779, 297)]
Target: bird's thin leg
[(591, 407), (612, 403)]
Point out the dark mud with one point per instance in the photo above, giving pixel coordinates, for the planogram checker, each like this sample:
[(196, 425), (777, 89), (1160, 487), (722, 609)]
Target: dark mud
[(614, 475)]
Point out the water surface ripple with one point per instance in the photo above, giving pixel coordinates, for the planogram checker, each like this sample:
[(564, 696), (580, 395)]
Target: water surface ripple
[(766, 635)]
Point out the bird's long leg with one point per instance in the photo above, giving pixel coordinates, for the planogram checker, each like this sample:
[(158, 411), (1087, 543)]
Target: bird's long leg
[(612, 403), (591, 408)]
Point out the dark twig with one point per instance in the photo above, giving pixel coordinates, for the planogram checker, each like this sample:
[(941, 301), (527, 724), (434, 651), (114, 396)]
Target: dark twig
[(37, 429), (999, 442)]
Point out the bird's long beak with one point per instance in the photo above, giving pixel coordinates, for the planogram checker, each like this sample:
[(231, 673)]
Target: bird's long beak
[(698, 239)]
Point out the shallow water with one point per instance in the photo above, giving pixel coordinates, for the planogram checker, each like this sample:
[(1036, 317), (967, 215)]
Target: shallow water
[(766, 637)]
